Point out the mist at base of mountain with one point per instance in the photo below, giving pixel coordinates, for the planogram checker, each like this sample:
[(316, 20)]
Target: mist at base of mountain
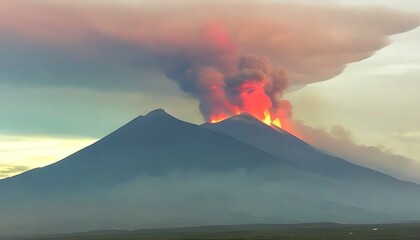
[(158, 171), (196, 199)]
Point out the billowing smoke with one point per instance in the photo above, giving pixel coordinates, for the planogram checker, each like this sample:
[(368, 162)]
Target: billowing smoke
[(338, 141), (251, 85), (257, 87), (235, 56), (227, 84)]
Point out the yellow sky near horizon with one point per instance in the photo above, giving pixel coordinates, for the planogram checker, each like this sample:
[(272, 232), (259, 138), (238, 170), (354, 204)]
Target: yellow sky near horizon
[(21, 153)]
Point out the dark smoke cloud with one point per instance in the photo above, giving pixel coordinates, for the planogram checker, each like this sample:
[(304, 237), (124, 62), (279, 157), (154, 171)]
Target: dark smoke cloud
[(204, 47), (258, 69)]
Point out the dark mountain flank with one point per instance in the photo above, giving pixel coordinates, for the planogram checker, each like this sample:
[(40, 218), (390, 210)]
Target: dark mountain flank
[(158, 171)]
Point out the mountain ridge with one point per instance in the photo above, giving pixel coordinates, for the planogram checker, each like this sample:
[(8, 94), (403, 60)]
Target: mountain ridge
[(150, 129), (157, 171), (229, 127)]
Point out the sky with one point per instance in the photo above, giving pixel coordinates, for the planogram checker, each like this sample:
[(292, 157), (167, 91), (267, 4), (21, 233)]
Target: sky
[(353, 68)]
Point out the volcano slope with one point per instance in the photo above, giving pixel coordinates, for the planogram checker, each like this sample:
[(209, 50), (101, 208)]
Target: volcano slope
[(363, 187), (158, 171)]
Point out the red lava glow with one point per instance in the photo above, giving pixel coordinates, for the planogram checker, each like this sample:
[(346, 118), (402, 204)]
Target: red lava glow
[(254, 101), (267, 119)]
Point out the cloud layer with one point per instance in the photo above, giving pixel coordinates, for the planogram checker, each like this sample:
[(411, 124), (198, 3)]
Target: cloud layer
[(338, 141), (199, 45)]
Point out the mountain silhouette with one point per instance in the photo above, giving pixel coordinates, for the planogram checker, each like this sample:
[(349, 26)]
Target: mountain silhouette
[(158, 171), (280, 143), (367, 188), (154, 144)]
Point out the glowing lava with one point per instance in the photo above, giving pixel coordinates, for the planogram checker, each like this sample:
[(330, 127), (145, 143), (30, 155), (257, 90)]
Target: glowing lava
[(267, 119), (271, 121), (246, 92), (253, 100), (277, 122)]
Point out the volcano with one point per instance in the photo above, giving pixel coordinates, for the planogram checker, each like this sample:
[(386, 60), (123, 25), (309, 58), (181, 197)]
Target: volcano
[(158, 171)]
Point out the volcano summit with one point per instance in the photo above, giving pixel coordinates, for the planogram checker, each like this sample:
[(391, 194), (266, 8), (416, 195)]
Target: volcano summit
[(158, 171)]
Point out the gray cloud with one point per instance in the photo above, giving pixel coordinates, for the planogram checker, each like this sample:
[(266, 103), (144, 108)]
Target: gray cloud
[(413, 137), (338, 141), (60, 111), (101, 47)]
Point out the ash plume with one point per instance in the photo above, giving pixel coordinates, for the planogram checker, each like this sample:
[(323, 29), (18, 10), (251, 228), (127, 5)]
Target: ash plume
[(232, 56), (257, 86)]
